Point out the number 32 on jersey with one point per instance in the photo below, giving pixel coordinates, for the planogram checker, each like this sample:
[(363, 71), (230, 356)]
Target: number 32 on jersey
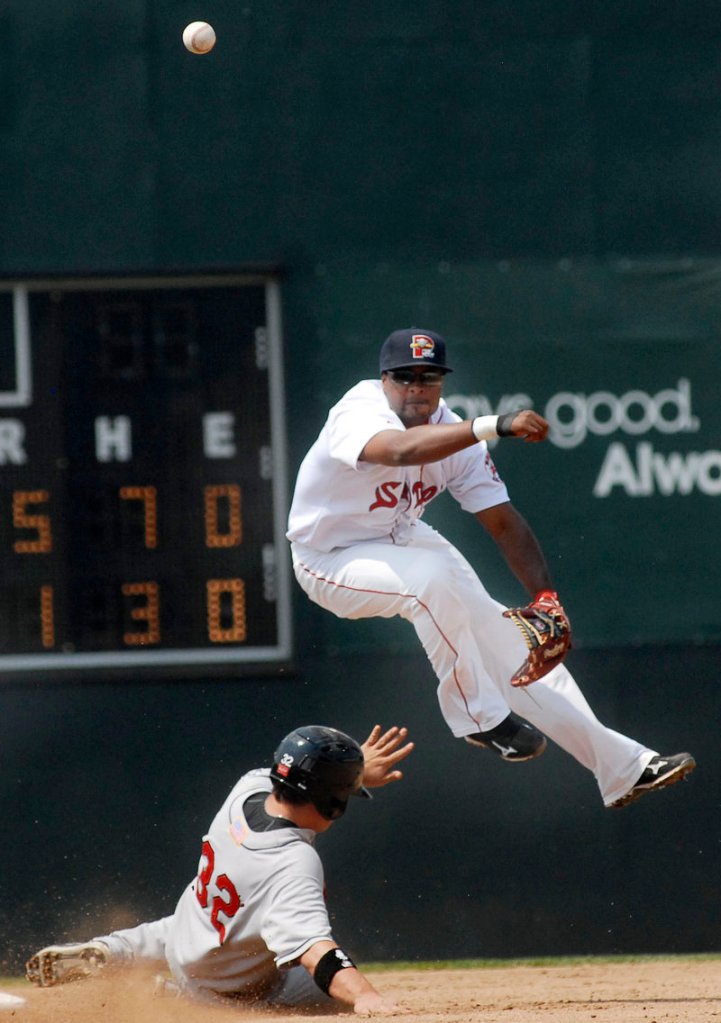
[(227, 902)]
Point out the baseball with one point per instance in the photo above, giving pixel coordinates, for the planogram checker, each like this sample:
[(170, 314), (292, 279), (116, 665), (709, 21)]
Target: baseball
[(199, 37)]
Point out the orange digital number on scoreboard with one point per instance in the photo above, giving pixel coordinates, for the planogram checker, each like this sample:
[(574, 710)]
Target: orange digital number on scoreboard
[(227, 494), (149, 498), (226, 600), (42, 543), (47, 617), (147, 610)]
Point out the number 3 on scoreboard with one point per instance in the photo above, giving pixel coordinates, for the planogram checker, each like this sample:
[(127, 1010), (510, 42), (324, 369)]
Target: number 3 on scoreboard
[(228, 907)]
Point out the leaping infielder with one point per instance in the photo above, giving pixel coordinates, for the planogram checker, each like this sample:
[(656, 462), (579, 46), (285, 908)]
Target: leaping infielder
[(360, 549)]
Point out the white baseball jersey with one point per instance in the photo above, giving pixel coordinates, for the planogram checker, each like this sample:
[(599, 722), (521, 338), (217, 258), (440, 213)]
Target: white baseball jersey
[(340, 500), (257, 903)]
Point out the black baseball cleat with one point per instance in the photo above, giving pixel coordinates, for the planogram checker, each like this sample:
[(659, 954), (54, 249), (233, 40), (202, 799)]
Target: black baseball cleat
[(514, 740), (660, 772)]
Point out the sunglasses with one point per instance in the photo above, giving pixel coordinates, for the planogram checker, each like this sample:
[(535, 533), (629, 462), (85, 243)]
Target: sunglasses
[(427, 377)]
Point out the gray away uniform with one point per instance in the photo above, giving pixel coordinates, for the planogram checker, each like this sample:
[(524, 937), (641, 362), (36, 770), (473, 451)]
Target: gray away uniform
[(256, 905)]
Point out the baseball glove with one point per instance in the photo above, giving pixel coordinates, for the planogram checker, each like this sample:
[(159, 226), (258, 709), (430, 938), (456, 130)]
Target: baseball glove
[(547, 634)]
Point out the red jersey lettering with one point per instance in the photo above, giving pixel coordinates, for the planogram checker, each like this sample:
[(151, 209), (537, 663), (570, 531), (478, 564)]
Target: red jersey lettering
[(385, 496), (423, 494)]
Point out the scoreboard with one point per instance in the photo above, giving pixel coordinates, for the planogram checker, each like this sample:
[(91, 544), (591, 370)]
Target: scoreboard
[(143, 486)]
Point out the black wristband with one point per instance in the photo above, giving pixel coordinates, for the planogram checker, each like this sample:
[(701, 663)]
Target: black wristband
[(503, 426), (328, 965)]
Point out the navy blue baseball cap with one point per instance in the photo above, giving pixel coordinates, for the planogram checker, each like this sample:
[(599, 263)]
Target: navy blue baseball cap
[(414, 347)]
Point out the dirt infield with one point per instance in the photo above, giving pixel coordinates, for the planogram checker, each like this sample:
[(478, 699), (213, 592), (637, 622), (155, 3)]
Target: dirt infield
[(685, 990)]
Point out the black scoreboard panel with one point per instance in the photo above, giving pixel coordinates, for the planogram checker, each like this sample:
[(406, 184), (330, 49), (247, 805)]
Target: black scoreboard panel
[(142, 462)]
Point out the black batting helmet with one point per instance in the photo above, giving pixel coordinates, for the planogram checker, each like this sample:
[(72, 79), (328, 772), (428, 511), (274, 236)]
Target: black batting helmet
[(322, 764)]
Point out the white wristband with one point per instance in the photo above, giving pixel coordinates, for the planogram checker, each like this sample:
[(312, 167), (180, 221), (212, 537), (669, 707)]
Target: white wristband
[(484, 427)]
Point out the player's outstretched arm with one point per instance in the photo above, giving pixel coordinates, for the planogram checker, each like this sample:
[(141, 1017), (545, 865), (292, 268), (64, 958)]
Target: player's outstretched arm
[(431, 442), (381, 752), (337, 976)]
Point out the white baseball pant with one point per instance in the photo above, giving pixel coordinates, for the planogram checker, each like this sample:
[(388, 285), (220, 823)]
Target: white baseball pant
[(474, 650), (151, 941)]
